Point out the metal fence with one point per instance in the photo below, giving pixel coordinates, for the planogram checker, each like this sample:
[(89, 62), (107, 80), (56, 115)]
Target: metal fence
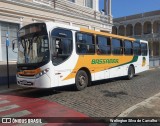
[(154, 61)]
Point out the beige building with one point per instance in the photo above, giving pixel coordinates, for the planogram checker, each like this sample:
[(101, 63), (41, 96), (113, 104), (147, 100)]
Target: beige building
[(141, 26), (82, 13)]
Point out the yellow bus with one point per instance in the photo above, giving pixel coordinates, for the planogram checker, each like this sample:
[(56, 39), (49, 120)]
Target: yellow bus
[(52, 55)]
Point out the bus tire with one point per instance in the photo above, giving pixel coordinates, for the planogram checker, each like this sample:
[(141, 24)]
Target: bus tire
[(82, 80), (131, 72)]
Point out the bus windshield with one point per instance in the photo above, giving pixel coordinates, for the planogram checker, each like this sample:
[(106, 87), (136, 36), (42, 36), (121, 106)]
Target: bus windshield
[(33, 47)]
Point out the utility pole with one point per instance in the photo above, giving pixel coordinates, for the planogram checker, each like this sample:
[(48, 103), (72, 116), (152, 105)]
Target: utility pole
[(7, 44)]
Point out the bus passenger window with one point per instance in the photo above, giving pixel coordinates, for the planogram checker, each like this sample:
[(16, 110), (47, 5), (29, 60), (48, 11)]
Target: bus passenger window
[(136, 48), (117, 46), (103, 45), (128, 50), (144, 49), (85, 43)]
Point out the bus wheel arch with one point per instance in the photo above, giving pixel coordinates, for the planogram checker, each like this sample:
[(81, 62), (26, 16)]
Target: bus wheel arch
[(131, 72), (82, 79)]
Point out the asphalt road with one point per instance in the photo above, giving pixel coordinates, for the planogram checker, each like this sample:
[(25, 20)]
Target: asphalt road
[(107, 98)]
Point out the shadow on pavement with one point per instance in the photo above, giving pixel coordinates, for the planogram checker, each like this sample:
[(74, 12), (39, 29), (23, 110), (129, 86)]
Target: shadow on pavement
[(114, 94), (37, 93)]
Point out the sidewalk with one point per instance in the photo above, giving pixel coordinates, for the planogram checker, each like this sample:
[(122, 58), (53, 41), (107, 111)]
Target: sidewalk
[(147, 108), (145, 113), (4, 88), (3, 73)]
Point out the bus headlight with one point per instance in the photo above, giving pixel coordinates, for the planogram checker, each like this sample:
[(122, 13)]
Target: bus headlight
[(42, 73)]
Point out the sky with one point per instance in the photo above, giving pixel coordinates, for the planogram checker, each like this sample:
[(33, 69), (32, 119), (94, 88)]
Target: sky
[(122, 8)]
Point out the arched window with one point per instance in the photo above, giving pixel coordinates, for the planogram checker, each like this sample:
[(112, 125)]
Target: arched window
[(138, 29), (147, 28), (156, 26), (129, 30), (121, 30), (114, 30)]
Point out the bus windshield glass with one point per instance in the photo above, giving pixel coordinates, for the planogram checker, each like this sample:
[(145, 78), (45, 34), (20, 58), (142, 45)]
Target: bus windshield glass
[(33, 44)]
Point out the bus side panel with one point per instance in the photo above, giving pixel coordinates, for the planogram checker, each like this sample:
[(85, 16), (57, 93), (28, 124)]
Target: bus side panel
[(118, 71), (138, 65), (99, 75)]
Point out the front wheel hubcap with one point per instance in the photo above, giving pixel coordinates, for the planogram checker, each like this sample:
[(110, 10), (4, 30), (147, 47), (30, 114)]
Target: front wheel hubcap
[(82, 80)]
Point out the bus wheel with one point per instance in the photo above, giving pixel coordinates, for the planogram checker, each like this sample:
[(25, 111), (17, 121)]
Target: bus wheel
[(82, 80), (131, 72)]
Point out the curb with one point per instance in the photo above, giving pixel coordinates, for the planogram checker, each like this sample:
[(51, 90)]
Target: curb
[(7, 90)]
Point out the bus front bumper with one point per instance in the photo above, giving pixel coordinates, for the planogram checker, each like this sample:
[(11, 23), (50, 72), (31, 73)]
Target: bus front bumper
[(41, 82)]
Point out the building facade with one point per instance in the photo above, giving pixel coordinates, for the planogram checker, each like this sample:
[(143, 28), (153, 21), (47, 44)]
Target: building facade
[(82, 13), (141, 26)]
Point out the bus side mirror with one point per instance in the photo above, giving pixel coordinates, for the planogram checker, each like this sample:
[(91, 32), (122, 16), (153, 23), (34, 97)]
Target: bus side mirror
[(14, 42)]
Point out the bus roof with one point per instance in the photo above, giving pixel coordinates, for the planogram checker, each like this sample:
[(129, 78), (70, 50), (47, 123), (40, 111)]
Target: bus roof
[(106, 34), (91, 31)]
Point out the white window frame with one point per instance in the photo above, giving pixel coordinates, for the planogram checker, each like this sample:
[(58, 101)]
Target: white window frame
[(86, 4)]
